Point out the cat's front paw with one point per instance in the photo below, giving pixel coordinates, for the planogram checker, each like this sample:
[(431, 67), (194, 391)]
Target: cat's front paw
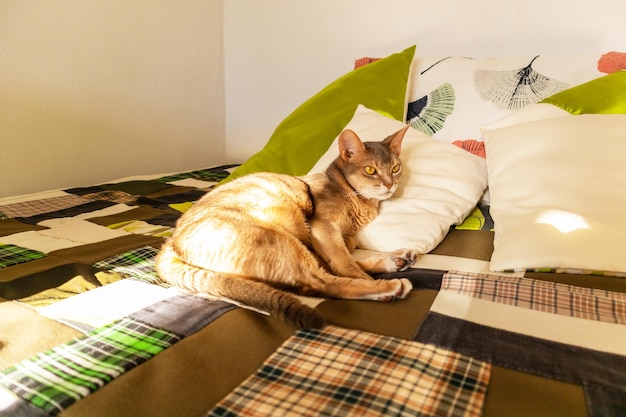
[(399, 289), (404, 259)]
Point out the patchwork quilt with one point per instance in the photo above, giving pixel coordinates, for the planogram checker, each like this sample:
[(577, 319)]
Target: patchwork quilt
[(87, 329)]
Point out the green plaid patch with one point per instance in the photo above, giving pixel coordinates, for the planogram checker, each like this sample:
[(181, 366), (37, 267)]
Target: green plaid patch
[(340, 371), (57, 378), (216, 174), (137, 263), (13, 255)]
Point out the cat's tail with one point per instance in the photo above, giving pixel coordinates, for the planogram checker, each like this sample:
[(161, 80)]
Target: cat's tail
[(280, 304)]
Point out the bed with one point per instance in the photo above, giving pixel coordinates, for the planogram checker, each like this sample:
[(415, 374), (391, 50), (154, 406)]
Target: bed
[(512, 194)]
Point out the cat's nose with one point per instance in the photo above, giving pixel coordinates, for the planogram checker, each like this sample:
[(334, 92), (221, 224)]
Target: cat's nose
[(388, 185)]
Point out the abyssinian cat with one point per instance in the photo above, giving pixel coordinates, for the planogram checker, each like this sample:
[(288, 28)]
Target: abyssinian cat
[(259, 237)]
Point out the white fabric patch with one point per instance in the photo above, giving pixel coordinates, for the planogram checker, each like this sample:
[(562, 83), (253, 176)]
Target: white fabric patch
[(105, 304)]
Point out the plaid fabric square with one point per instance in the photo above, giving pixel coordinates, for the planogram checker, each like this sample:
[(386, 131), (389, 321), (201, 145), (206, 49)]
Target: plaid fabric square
[(137, 263), (182, 197), (53, 380), (118, 197), (42, 206), (13, 255), (549, 297), (342, 372)]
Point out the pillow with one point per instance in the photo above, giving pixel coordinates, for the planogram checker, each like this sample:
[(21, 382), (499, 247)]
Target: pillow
[(440, 186), (604, 95), (557, 194), (612, 61), (304, 136), (529, 113), (452, 98)]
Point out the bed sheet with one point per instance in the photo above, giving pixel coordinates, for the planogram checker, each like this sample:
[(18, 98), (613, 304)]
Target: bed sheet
[(86, 330)]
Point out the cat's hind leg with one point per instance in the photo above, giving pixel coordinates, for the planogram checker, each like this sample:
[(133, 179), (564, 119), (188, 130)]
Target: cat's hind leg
[(245, 290), (381, 262)]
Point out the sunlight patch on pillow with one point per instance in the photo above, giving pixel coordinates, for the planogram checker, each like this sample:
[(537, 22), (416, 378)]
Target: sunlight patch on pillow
[(557, 194)]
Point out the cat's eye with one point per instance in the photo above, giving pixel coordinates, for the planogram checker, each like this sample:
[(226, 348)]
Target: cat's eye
[(395, 169), (369, 170)]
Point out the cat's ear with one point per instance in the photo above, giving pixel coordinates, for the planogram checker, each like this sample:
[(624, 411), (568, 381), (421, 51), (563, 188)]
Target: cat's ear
[(349, 145), (395, 141)]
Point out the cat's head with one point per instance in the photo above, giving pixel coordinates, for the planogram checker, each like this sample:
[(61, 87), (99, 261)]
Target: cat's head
[(373, 169)]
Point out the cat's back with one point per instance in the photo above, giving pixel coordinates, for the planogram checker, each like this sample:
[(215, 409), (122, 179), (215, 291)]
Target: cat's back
[(265, 197)]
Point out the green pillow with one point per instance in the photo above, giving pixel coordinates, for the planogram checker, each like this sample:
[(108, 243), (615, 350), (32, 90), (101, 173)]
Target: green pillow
[(604, 95), (305, 135)]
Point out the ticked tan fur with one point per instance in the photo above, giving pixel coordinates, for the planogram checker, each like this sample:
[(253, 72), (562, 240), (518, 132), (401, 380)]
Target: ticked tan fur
[(258, 238)]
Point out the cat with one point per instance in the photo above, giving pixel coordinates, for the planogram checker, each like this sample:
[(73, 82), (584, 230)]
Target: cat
[(263, 236)]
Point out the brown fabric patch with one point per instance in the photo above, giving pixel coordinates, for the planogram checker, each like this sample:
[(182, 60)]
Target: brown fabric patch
[(92, 253), (24, 333), (473, 244), (11, 226)]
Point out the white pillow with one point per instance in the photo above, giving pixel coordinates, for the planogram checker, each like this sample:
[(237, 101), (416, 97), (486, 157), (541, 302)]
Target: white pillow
[(440, 186), (558, 194), (530, 113)]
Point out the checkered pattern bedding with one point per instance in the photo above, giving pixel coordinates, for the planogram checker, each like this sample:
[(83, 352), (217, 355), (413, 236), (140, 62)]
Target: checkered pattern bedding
[(467, 342), (345, 372)]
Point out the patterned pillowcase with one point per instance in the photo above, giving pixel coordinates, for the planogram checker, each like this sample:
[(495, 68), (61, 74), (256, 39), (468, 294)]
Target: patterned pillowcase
[(451, 98)]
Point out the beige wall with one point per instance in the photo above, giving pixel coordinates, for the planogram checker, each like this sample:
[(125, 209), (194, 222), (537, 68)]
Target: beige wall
[(95, 90)]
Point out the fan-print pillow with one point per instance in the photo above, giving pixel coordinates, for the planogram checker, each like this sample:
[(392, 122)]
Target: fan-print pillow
[(451, 98)]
